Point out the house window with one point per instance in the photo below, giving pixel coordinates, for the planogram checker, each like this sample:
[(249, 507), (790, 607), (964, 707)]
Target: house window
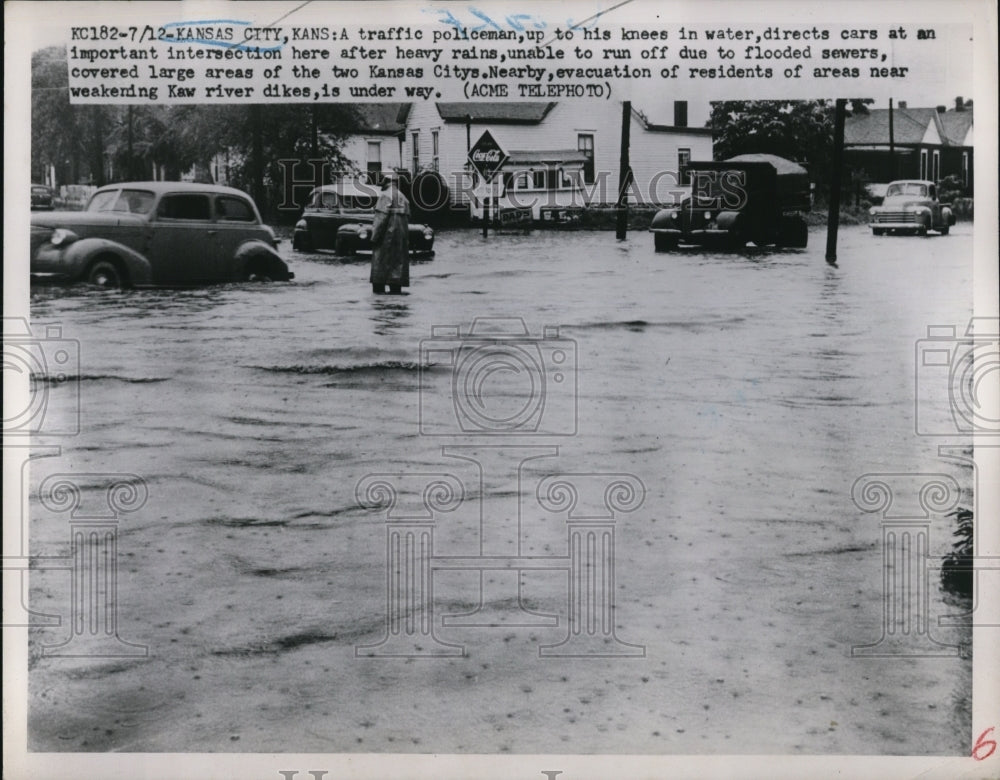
[(923, 163), (435, 151), (415, 141), (585, 144), (936, 166), (965, 168), (374, 161), (683, 160), (538, 180)]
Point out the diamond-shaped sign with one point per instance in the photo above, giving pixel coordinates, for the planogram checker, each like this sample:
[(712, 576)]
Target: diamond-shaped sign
[(486, 156)]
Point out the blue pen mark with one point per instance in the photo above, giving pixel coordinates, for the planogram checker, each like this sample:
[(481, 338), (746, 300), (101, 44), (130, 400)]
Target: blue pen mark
[(205, 21), (242, 45)]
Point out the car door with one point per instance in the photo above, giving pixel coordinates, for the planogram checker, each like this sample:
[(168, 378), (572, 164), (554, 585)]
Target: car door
[(184, 246), (235, 223)]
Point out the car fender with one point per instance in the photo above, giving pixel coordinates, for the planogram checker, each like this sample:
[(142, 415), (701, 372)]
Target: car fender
[(664, 219), (947, 216), (728, 220), (255, 250), (82, 252)]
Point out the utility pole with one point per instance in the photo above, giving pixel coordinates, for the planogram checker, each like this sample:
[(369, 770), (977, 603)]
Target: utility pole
[(621, 226), (833, 215), (892, 146)]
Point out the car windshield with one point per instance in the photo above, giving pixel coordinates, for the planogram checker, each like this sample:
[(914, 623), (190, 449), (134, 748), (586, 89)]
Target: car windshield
[(357, 202), (907, 188), (129, 201)]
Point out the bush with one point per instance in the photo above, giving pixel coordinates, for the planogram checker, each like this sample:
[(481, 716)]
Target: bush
[(956, 567)]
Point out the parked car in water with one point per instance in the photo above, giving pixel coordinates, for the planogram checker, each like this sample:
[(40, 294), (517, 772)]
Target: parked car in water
[(911, 206), (41, 197), (750, 197), (340, 216), (140, 234)]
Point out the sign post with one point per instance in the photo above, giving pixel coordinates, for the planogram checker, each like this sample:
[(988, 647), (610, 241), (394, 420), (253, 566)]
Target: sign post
[(487, 157)]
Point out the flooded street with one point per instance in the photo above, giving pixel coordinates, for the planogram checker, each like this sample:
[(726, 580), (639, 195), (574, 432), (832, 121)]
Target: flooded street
[(744, 392)]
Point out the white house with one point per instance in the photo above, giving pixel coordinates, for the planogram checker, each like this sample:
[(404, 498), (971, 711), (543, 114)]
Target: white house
[(560, 153)]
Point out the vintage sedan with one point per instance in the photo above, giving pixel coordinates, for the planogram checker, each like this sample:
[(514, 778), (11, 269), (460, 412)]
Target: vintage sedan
[(911, 206), (41, 197), (143, 234), (340, 216)]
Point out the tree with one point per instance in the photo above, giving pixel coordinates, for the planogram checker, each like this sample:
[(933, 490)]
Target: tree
[(798, 130)]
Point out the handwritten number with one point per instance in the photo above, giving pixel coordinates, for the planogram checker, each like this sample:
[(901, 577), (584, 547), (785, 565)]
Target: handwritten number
[(982, 743)]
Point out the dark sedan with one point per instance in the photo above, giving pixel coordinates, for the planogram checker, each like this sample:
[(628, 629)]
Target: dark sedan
[(157, 233), (340, 216), (41, 197)]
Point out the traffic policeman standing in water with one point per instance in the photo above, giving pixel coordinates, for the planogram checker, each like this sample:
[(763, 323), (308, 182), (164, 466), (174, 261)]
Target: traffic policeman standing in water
[(390, 232)]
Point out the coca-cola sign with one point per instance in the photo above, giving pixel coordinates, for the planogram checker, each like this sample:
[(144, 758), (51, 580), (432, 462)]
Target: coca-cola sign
[(486, 156)]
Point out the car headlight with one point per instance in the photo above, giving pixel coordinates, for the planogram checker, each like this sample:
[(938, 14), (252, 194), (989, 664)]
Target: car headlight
[(363, 235), (871, 212), (61, 236), (673, 215), (708, 215), (428, 234)]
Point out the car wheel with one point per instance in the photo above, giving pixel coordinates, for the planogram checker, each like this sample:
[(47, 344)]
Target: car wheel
[(105, 274), (257, 271), (878, 231), (663, 243), (302, 242), (922, 231), (342, 247), (943, 230)]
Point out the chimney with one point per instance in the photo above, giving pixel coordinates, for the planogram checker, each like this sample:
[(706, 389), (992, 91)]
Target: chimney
[(942, 109), (901, 104), (959, 104), (680, 113)]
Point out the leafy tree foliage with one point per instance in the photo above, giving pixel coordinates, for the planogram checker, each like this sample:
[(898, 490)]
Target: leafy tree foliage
[(101, 143), (798, 130)]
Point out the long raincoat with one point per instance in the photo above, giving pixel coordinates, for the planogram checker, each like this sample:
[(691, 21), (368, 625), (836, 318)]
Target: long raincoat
[(390, 234)]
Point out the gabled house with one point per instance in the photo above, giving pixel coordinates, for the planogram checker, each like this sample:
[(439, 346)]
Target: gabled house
[(378, 145), (560, 153), (928, 143)]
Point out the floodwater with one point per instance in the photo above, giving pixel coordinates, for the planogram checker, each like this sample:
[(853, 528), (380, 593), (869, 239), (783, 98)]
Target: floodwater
[(745, 392)]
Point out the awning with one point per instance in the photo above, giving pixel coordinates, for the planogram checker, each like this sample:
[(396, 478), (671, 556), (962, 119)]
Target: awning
[(552, 157)]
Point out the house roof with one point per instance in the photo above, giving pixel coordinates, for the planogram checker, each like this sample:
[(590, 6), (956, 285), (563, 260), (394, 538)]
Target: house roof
[(909, 126), (780, 164), (383, 118), (496, 113), (956, 125), (656, 127)]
